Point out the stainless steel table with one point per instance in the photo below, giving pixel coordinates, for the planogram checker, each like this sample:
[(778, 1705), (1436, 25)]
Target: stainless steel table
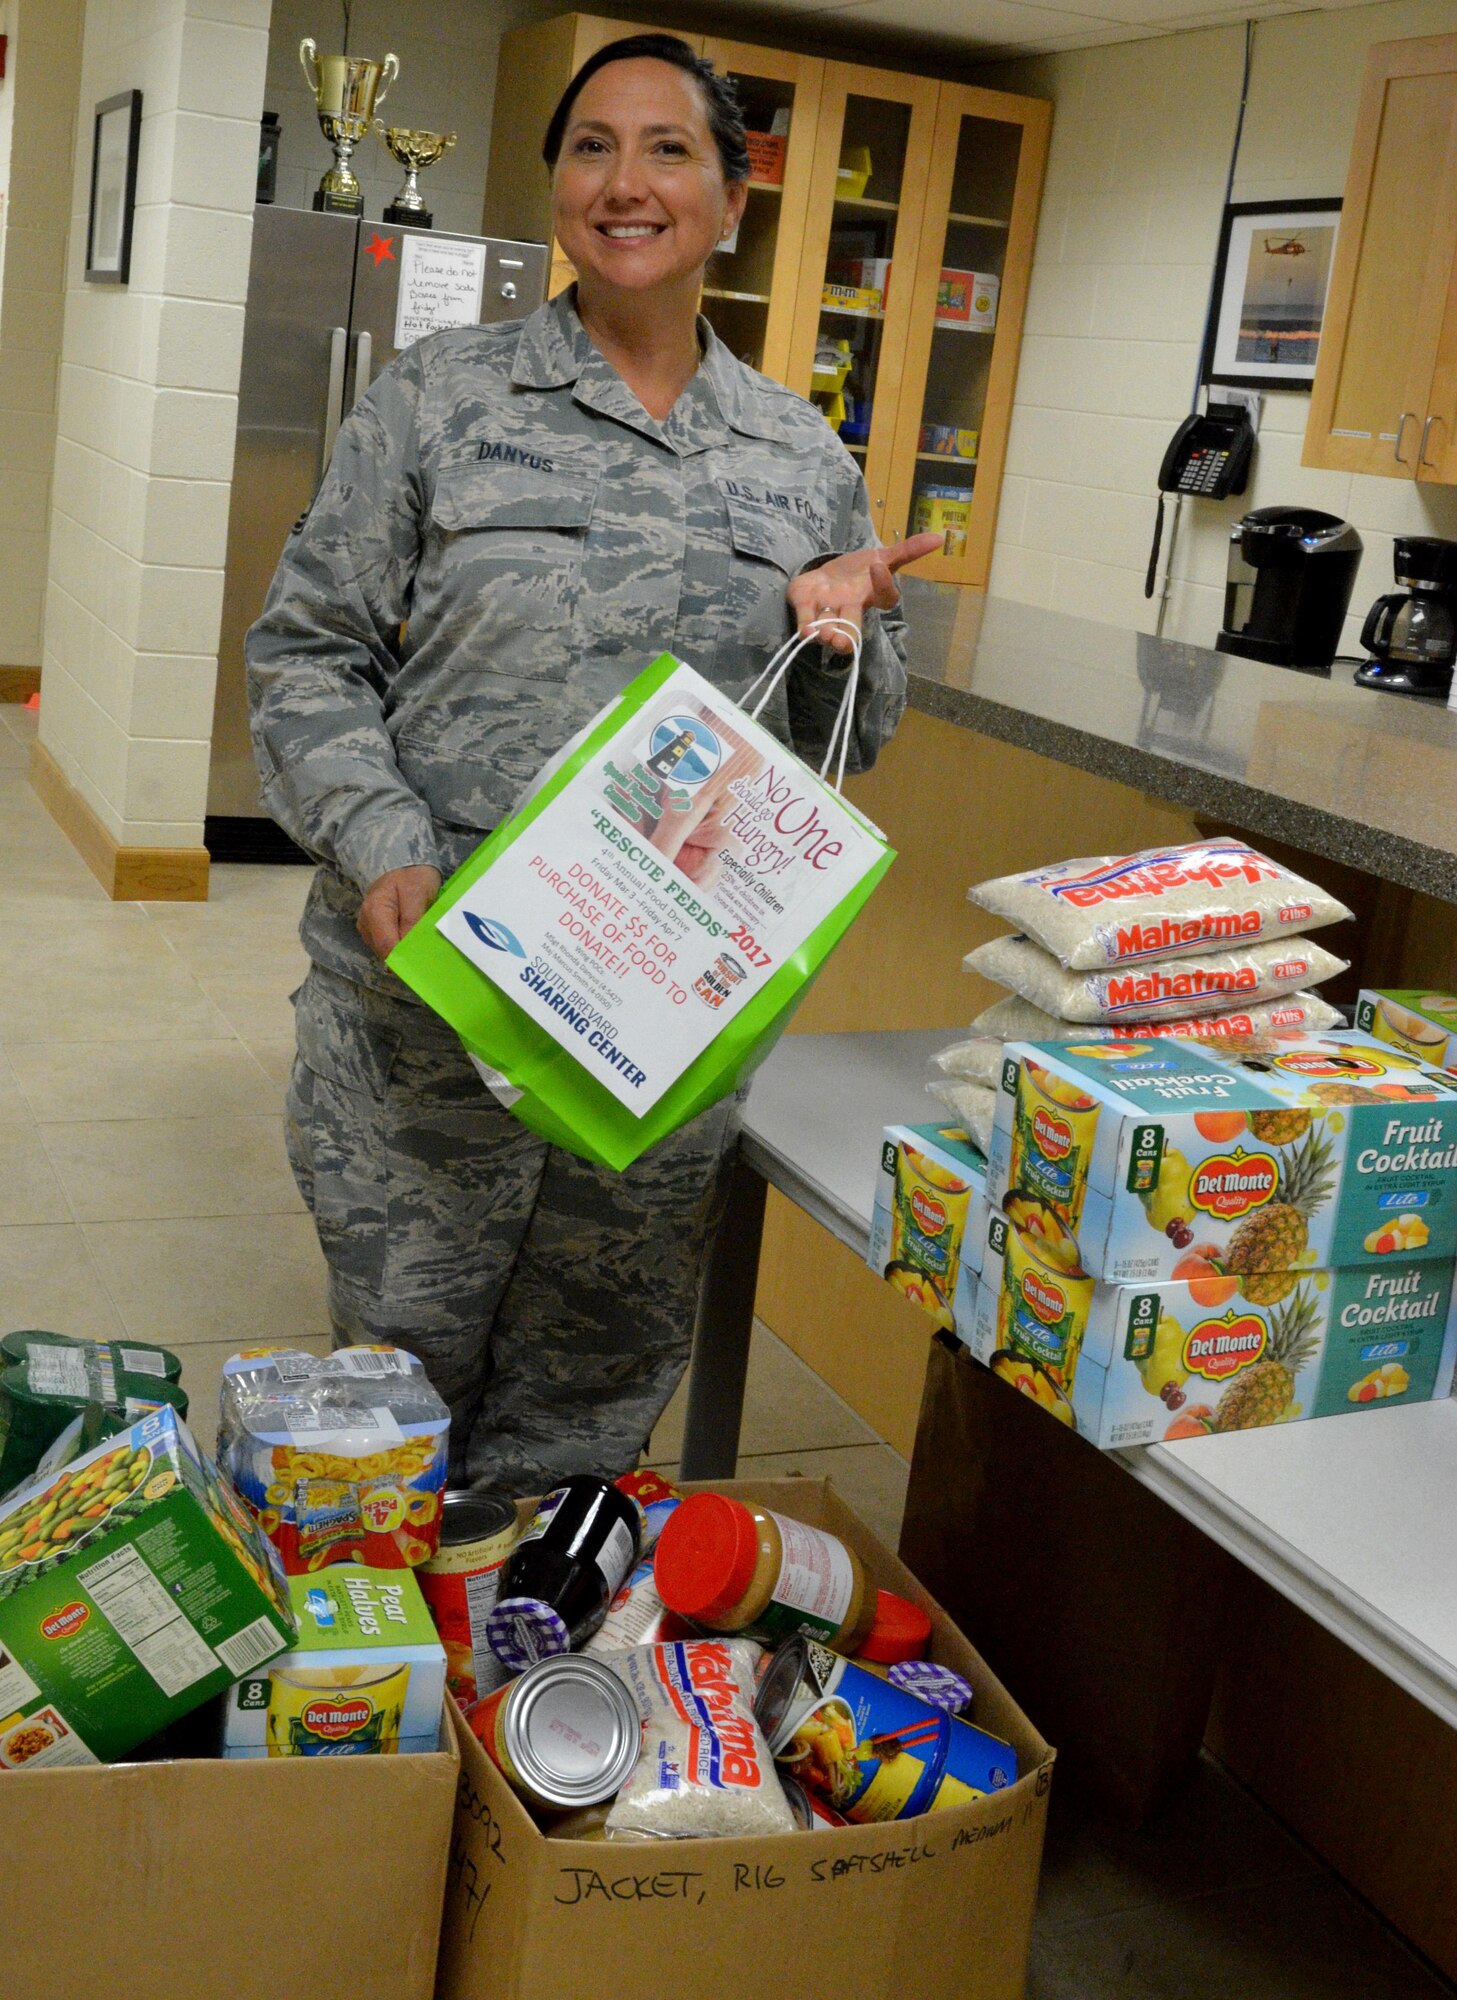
[(1349, 1519)]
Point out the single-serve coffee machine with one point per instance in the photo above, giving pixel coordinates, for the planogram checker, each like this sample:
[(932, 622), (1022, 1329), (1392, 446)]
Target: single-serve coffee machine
[(1288, 588), (1411, 634)]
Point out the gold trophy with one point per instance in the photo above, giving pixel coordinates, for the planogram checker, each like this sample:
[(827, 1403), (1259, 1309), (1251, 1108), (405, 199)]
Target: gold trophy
[(346, 90), (412, 151)]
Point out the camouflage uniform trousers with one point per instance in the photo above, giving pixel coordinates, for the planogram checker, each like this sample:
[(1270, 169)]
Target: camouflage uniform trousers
[(552, 1301)]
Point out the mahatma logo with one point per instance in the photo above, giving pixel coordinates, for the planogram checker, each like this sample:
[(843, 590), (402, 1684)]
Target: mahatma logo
[(1052, 1135), (61, 1624), (1317, 1063), (336, 1719), (495, 934), (1219, 1348), (1229, 1185), (930, 1213), (1045, 1298), (684, 749)]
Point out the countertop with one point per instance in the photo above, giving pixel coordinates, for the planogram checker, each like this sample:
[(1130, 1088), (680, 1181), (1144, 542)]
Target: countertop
[(1356, 776)]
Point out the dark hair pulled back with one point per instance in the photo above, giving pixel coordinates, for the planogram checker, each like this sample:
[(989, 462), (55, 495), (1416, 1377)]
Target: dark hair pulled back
[(725, 119)]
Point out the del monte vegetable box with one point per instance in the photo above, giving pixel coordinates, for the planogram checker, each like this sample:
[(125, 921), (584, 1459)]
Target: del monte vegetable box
[(1139, 1161), (132, 1588)]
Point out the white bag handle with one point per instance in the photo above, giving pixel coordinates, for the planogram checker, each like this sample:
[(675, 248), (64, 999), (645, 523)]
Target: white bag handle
[(784, 659)]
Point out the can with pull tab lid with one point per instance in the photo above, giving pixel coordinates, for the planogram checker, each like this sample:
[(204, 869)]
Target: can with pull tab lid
[(567, 1734), (460, 1585)]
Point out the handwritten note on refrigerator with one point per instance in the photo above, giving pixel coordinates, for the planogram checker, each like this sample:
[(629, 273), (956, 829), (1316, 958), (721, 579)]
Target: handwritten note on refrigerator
[(440, 286)]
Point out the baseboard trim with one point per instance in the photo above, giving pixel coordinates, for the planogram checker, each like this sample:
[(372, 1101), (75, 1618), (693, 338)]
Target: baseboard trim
[(127, 874), (19, 683)]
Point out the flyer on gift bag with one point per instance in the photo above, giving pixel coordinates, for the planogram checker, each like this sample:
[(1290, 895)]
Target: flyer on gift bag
[(660, 891)]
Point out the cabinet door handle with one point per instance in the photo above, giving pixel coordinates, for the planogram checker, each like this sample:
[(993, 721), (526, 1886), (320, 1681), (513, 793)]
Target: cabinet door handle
[(1422, 458), (334, 405), (1400, 427)]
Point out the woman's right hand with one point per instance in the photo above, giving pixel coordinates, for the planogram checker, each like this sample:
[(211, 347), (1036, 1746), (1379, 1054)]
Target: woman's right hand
[(394, 905)]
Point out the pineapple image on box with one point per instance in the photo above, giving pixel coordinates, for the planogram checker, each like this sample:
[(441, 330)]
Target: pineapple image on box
[(1264, 1392), (1269, 1244)]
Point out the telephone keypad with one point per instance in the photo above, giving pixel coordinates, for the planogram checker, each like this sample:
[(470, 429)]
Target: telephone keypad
[(1201, 473)]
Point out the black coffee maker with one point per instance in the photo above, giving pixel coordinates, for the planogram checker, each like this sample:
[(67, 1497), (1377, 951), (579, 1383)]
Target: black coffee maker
[(1411, 634), (1291, 574)]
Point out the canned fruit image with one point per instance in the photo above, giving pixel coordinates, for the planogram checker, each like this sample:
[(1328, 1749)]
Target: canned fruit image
[(1233, 1158), (1422, 1023), (1054, 1128), (1031, 1379), (336, 1711), (1042, 1311), (365, 1677), (928, 1218)]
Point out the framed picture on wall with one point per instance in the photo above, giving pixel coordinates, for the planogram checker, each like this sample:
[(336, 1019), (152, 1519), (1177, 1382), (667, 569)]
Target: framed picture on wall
[(113, 189), (1271, 276)]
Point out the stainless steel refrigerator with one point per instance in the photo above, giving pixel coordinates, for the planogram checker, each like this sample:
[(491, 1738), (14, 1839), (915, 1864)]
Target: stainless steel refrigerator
[(326, 305)]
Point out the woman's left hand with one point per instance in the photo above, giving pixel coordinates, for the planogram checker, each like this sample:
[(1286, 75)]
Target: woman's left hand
[(851, 585)]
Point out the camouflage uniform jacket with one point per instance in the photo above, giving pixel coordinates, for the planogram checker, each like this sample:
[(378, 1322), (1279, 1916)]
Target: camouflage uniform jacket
[(504, 539)]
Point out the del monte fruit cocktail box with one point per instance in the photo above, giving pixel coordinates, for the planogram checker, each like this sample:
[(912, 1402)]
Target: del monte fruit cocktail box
[(1150, 1364), (928, 1222), (1138, 1161), (1412, 1018), (132, 1587)]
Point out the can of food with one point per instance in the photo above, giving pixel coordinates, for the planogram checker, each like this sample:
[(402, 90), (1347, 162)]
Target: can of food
[(976, 1763), (851, 1739), (566, 1734), (460, 1585), (944, 511)]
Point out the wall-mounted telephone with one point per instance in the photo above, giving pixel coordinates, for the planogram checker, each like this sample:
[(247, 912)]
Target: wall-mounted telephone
[(1208, 458)]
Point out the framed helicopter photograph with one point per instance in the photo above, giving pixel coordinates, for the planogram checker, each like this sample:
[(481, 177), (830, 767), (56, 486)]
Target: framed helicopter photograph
[(1271, 275)]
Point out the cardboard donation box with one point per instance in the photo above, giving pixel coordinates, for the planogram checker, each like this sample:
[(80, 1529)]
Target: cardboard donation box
[(939, 1907), (294, 1878)]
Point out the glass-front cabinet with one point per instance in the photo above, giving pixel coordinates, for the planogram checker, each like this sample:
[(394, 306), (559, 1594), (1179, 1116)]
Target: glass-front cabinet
[(968, 296), (863, 226), (749, 293)]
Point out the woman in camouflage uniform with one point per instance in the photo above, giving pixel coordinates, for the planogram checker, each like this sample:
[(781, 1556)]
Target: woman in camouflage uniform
[(516, 519)]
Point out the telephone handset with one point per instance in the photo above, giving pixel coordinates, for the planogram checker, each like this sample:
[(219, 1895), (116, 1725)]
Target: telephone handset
[(1208, 458)]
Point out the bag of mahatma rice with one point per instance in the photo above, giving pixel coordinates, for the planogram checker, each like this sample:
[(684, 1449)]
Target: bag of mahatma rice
[(974, 1105), (976, 1061), (1167, 902), (1164, 991), (1017, 1020)]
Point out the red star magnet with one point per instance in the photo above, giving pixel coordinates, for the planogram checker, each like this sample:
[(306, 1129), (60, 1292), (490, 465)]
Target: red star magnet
[(381, 248)]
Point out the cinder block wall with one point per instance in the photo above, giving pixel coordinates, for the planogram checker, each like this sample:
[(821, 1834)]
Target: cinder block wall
[(147, 415)]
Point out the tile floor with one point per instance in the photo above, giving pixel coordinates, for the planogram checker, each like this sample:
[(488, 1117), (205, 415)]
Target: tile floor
[(144, 1190)]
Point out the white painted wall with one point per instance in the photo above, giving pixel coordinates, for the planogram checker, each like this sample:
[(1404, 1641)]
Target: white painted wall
[(1130, 221), (37, 134), (148, 411)]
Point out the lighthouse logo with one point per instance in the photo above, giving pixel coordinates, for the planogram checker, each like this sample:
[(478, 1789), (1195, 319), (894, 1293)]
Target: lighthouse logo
[(684, 749)]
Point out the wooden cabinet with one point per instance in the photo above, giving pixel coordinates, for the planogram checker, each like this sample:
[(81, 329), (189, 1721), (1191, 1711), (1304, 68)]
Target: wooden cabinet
[(1384, 399), (895, 177)]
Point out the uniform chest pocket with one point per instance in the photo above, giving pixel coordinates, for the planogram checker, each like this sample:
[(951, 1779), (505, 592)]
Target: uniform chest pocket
[(769, 545), (511, 543)]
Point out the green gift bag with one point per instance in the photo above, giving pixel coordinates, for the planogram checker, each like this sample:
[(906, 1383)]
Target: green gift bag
[(627, 947)]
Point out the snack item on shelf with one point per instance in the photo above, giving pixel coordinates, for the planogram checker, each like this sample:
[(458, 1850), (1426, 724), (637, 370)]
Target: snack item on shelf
[(944, 511), (1017, 1020), (637, 1616), (460, 1583), (1167, 990), (341, 1456), (941, 1686), (1411, 1018), (1281, 1151), (128, 1357), (1165, 902), (974, 1104), (656, 1496), (76, 1386), (365, 1678), (567, 1566), (565, 1735), (133, 1587), (705, 1768), (742, 1569), (924, 1252), (967, 299), (901, 1631), (1212, 1349)]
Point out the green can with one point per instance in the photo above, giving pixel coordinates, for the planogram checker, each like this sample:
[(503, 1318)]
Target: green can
[(128, 1357), (57, 1383)]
